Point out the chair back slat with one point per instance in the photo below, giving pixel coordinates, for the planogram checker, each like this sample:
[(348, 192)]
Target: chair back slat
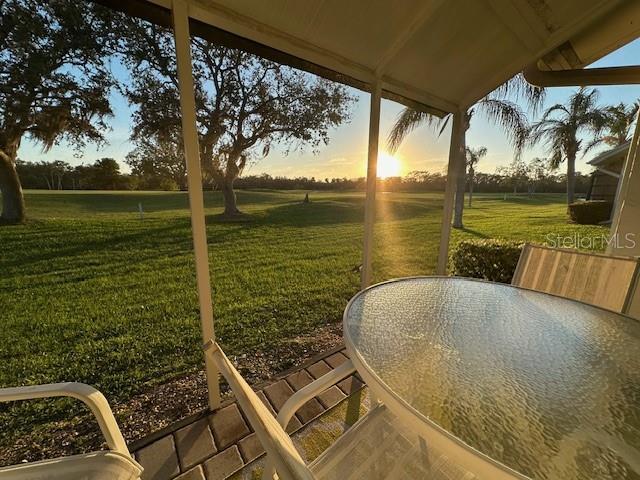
[(276, 442), (600, 280), (633, 308)]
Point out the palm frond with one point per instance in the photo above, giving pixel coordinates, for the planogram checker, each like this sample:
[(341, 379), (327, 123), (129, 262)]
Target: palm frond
[(619, 120), (474, 155), (509, 116), (555, 160), (596, 142), (408, 120), (557, 108), (517, 88), (443, 124)]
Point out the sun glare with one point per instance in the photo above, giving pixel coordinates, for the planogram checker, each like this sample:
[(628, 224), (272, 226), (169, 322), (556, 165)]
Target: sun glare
[(388, 165)]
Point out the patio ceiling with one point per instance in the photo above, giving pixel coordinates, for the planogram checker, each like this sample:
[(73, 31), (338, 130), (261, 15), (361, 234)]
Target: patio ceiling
[(436, 55)]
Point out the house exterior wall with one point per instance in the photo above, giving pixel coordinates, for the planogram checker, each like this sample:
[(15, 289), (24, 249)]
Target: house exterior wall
[(625, 228), (604, 187)]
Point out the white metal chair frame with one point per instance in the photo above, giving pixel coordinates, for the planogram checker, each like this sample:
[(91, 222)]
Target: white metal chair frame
[(80, 391), (91, 397), (281, 453), (302, 396)]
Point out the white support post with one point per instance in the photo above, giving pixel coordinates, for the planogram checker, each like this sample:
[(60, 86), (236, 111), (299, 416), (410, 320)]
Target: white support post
[(194, 182), (372, 174), (455, 156)]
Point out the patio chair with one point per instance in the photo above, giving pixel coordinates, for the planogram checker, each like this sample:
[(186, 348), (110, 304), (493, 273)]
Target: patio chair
[(596, 279), (113, 464), (378, 446)]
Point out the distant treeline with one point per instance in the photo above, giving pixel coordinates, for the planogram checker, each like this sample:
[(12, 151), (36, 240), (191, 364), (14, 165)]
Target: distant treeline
[(105, 174), (419, 182)]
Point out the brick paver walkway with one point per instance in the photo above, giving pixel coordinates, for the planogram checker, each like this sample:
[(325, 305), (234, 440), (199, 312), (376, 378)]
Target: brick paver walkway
[(214, 445)]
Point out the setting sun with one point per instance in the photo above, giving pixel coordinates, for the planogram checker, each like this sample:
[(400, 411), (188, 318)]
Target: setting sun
[(388, 165)]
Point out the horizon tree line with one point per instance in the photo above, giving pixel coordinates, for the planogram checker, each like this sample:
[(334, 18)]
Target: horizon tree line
[(56, 78), (105, 174)]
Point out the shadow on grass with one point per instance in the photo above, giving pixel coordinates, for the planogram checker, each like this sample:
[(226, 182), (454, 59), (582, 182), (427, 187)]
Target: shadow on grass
[(168, 239), (172, 236), (346, 210), (11, 223), (525, 199), (241, 218), (474, 233), (127, 202)]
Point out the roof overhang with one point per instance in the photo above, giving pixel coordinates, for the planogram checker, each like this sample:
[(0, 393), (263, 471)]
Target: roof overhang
[(435, 55), (617, 153)]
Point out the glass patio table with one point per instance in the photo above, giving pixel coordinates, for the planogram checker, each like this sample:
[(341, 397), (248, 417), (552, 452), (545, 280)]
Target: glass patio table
[(499, 375)]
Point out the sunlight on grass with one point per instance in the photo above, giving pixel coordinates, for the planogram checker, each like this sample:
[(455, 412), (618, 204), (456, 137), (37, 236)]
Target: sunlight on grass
[(91, 293)]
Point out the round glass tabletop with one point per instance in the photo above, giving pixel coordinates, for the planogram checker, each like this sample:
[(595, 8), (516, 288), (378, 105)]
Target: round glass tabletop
[(547, 386)]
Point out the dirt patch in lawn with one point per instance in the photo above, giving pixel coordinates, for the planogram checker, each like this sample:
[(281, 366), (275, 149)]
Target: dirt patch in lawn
[(165, 404)]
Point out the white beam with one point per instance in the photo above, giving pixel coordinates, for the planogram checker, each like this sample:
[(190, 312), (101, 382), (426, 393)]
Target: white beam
[(372, 177), (629, 75), (225, 19), (455, 156), (252, 29), (433, 104), (194, 182)]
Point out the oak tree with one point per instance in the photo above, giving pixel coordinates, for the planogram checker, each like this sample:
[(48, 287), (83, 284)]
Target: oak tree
[(244, 103), (54, 82)]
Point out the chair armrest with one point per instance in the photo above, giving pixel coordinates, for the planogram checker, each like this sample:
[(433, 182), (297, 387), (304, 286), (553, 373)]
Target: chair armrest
[(307, 392), (272, 436), (301, 397), (80, 391)]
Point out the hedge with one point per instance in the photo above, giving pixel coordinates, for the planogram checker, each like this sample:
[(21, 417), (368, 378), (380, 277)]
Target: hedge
[(590, 212), (493, 260)]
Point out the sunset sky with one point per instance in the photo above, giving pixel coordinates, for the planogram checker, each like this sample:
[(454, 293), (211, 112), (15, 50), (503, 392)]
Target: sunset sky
[(345, 156)]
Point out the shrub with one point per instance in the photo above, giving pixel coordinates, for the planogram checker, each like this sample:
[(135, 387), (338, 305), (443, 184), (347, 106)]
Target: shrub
[(493, 260), (590, 212)]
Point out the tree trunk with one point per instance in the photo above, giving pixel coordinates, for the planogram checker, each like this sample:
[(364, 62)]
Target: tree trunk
[(571, 177), (13, 209), (460, 185), (229, 196), (471, 174)]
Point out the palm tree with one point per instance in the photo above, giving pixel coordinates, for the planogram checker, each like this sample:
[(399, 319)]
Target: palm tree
[(473, 157), (619, 119), (499, 106), (561, 127)]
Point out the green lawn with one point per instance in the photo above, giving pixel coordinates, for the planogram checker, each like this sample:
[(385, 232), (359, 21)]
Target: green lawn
[(89, 292)]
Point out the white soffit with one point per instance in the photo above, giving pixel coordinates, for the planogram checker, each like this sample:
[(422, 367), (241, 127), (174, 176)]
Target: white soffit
[(440, 53)]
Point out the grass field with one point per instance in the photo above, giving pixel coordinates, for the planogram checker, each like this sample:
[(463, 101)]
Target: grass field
[(91, 293)]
